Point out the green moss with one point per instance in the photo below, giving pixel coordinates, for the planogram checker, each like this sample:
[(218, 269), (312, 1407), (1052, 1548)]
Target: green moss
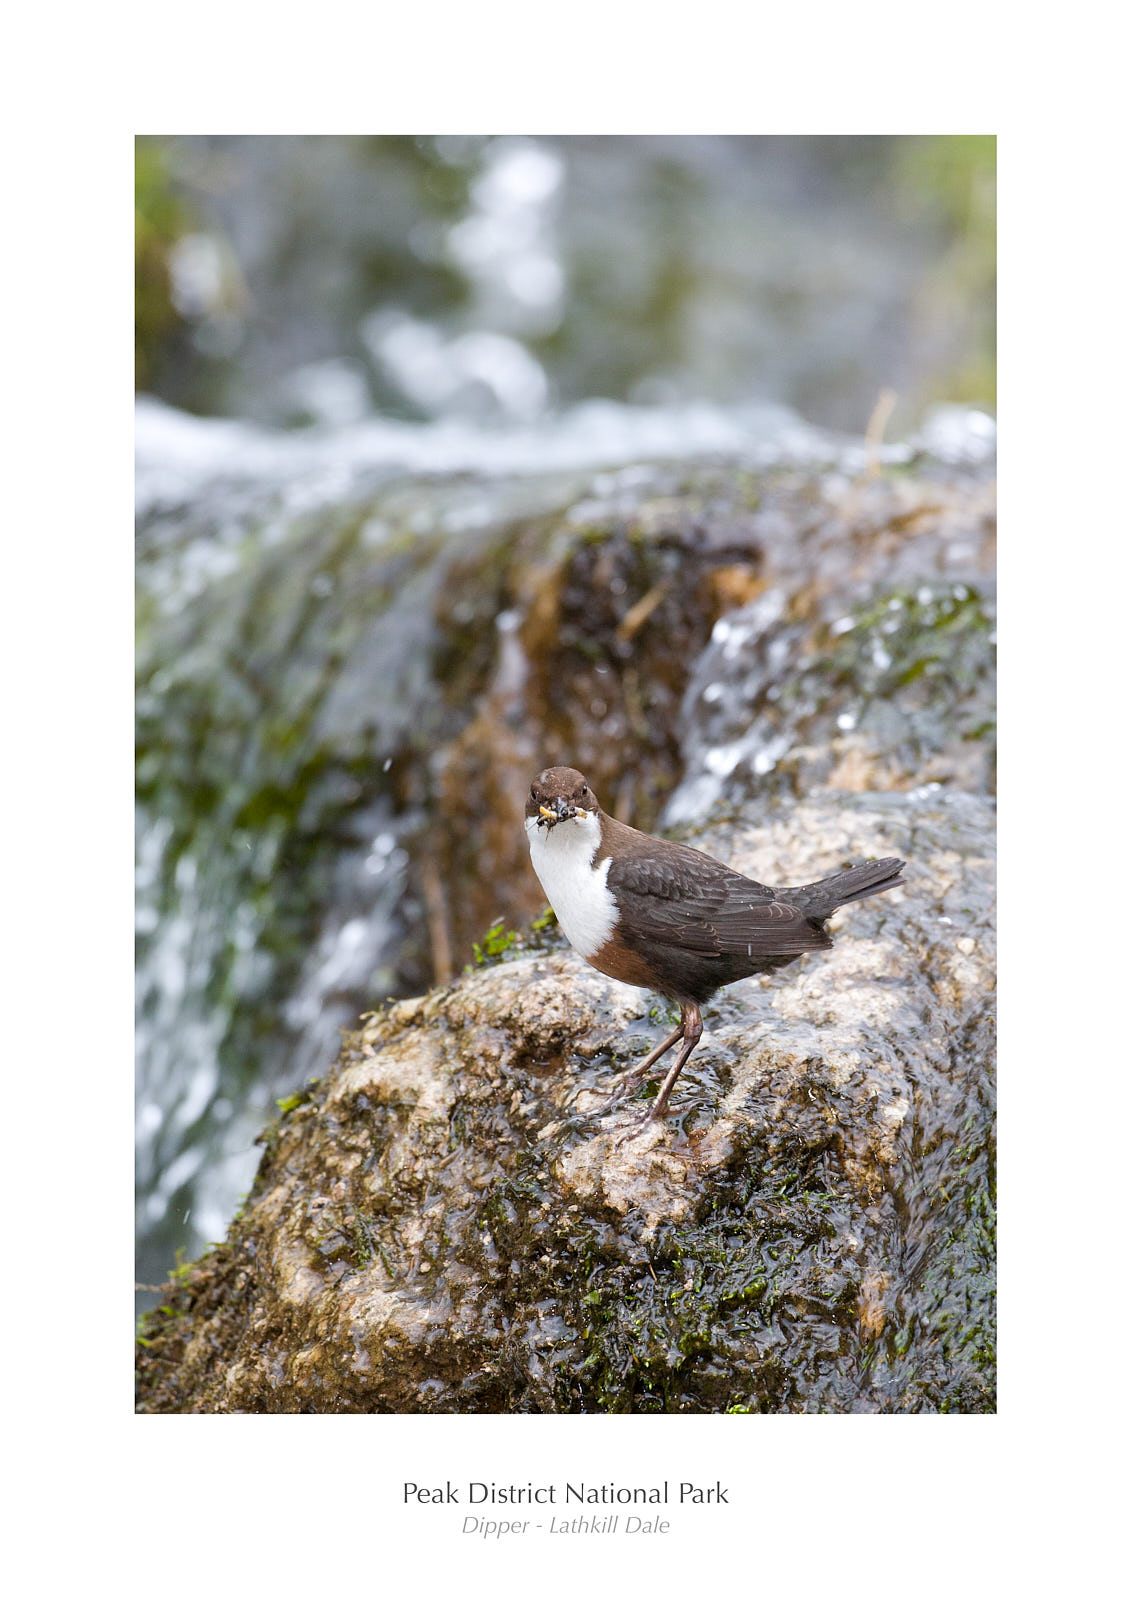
[(496, 942), (153, 1323), (910, 673)]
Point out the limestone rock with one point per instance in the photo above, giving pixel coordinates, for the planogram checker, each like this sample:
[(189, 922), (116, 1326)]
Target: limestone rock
[(437, 1230)]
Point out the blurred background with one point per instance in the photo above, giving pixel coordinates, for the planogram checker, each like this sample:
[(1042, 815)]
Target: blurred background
[(300, 280), (374, 375)]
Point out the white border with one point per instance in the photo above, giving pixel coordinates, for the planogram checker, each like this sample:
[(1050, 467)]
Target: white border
[(1008, 1502)]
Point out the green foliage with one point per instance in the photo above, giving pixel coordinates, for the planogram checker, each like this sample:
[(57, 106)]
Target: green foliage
[(496, 942), (180, 1273)]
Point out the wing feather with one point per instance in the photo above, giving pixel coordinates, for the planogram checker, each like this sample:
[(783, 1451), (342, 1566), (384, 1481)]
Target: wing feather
[(717, 913)]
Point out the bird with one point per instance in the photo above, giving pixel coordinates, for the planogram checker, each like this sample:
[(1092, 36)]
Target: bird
[(665, 917)]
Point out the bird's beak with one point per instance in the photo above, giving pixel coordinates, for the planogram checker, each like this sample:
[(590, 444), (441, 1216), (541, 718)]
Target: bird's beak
[(558, 810)]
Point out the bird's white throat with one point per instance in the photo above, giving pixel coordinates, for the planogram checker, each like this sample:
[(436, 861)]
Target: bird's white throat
[(578, 890)]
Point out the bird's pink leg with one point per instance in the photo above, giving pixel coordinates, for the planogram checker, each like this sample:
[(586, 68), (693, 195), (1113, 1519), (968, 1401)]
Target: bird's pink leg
[(633, 1075), (692, 1030)]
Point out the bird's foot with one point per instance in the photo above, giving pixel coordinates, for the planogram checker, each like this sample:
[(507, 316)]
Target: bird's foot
[(633, 1076), (609, 1103), (612, 1097), (635, 1129), (630, 1079), (620, 1091)]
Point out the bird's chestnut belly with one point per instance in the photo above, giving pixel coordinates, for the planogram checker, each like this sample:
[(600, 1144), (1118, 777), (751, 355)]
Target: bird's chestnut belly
[(616, 960)]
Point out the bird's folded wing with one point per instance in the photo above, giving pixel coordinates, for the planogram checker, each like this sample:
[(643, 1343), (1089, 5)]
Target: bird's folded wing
[(713, 914)]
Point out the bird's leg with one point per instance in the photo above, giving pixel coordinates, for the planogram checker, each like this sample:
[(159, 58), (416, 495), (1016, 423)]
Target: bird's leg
[(692, 1031), (633, 1075), (624, 1086)]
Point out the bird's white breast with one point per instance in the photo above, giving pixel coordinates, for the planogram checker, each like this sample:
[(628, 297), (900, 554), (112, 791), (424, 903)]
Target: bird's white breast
[(577, 888)]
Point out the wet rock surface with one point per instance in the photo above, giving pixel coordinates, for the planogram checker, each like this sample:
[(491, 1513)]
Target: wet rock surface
[(434, 1229), (346, 680)]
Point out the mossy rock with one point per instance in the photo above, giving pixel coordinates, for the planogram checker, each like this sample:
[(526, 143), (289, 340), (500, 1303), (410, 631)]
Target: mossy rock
[(436, 1229)]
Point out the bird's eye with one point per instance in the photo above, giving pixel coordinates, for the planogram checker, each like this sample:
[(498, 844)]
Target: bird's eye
[(585, 788), (533, 795)]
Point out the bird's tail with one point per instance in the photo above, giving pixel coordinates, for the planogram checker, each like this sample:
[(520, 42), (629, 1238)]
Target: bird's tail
[(820, 900)]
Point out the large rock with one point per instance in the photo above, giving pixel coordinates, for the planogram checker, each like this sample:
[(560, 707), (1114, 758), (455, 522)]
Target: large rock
[(435, 1229)]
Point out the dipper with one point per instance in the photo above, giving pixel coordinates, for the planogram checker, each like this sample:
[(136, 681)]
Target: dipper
[(669, 918)]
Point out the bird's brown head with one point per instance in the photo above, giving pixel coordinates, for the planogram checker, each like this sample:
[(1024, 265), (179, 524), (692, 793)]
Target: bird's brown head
[(558, 794)]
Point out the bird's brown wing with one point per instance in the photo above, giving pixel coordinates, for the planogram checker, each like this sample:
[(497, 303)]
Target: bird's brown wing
[(678, 904)]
